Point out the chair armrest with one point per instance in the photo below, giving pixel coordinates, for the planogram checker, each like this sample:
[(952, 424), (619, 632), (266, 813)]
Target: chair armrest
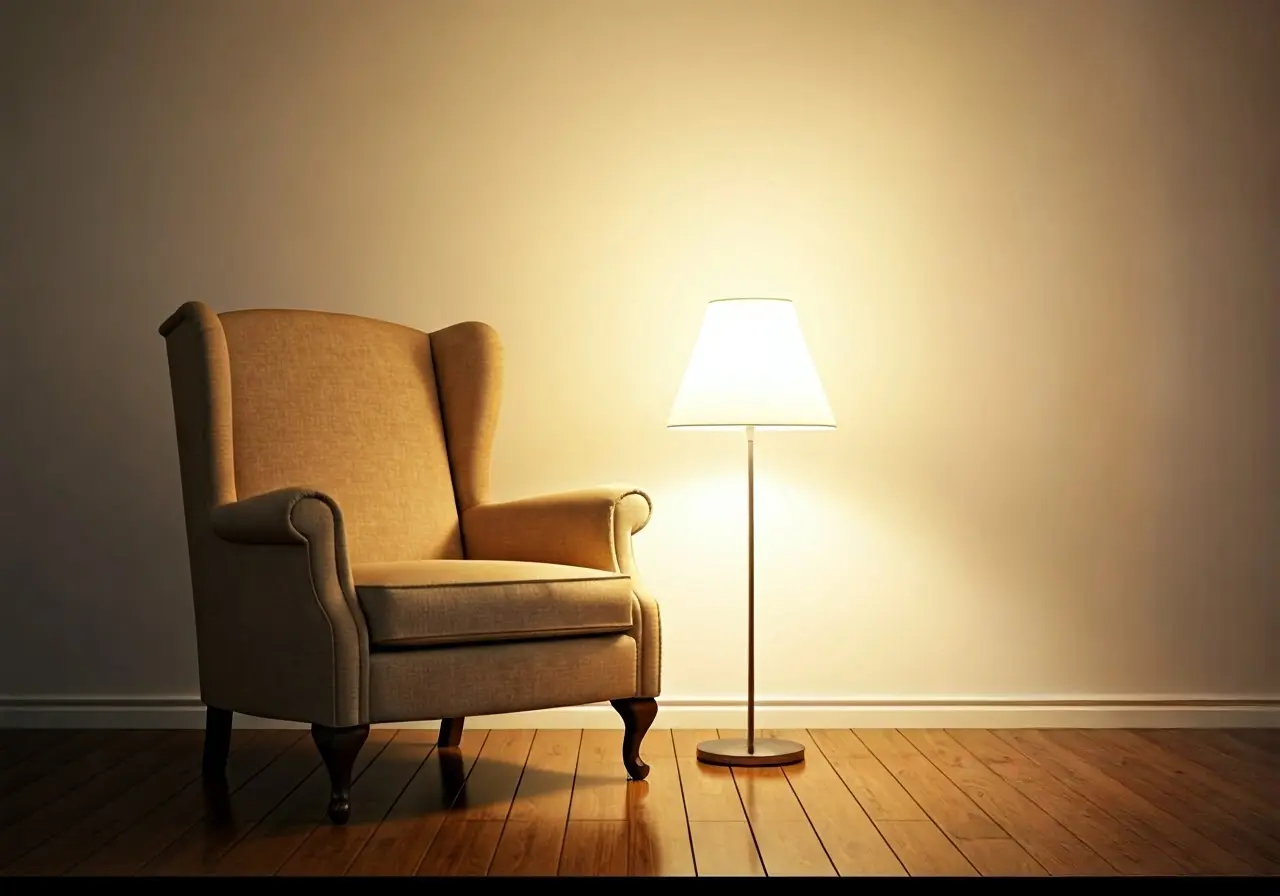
[(269, 518), (589, 527), (279, 625)]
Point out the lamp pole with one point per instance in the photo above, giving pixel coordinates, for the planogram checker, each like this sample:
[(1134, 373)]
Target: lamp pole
[(751, 750), (751, 590)]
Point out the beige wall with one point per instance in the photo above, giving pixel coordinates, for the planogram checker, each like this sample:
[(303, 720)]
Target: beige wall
[(1035, 247)]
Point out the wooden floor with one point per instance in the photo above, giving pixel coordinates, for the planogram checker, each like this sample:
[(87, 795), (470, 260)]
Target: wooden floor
[(864, 802)]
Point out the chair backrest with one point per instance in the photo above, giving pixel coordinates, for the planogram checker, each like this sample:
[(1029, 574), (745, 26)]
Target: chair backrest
[(393, 423)]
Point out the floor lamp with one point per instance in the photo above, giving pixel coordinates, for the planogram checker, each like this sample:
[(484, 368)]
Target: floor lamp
[(750, 370)]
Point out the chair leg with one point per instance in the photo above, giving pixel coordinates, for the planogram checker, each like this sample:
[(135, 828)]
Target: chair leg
[(450, 732), (217, 742), (339, 748), (637, 714)]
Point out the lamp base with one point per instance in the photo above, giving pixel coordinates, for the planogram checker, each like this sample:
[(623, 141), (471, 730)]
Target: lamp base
[(733, 751)]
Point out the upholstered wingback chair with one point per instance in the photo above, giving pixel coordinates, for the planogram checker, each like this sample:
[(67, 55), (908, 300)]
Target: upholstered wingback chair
[(347, 565)]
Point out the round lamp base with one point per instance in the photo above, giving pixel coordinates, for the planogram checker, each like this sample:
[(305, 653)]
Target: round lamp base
[(733, 751)]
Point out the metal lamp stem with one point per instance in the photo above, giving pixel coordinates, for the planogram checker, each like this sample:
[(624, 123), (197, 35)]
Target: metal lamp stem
[(751, 751), (751, 589)]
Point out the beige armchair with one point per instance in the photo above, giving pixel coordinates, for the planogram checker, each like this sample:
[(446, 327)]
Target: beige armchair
[(347, 566)]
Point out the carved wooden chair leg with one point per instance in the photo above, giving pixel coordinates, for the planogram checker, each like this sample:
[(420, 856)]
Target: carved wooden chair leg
[(450, 732), (637, 714), (339, 748), (217, 743)]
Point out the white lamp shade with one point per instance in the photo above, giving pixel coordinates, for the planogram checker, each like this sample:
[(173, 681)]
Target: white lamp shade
[(751, 367)]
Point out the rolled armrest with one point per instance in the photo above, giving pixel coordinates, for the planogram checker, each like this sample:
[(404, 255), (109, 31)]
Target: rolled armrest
[(268, 518), (279, 626), (589, 527)]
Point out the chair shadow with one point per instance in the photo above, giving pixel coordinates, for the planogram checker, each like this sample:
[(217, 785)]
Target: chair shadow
[(442, 783), (219, 814)]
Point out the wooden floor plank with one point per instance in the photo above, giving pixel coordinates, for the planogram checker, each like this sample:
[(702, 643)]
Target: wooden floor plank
[(917, 842), (42, 756), (658, 844), (1181, 796), (594, 848), (531, 840), (17, 745), (924, 850), (955, 814), (491, 786), (485, 799), (265, 848), (252, 751), (464, 849), (600, 783), (597, 835), (78, 761), (709, 791), (879, 793), (1002, 858), (1121, 845), (403, 837), (330, 849), (198, 850), (853, 843), (718, 831), (969, 828), (529, 848), (1046, 841), (1227, 754), (1189, 847), (110, 781), (1206, 784), (952, 811), (177, 764), (788, 844), (659, 744), (1263, 738), (547, 784), (648, 816), (684, 741), (1139, 802), (725, 849)]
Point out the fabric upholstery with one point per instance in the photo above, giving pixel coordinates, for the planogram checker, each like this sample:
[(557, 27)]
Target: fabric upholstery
[(294, 644), (435, 602), (348, 406), (589, 527), (309, 442), (487, 679), (469, 376), (276, 634)]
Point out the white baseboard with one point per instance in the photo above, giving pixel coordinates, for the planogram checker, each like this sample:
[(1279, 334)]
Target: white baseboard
[(676, 712)]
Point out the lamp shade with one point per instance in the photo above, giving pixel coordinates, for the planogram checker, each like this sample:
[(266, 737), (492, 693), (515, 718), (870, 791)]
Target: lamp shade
[(751, 367)]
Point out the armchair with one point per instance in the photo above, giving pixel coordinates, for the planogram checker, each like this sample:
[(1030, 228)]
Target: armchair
[(347, 565)]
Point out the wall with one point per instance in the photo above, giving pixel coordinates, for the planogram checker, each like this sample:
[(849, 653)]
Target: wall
[(1035, 247)]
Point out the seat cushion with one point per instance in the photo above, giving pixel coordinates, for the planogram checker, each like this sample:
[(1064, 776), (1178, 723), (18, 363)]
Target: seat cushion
[(422, 603)]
